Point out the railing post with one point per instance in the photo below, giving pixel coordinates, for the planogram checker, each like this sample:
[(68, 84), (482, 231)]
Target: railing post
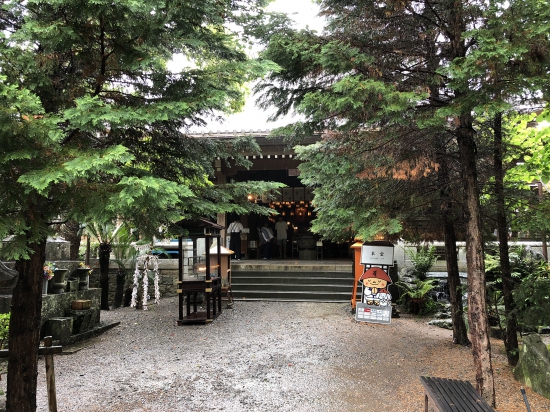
[(50, 376)]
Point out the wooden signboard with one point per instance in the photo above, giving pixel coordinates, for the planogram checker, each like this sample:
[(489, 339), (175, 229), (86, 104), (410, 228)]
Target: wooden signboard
[(376, 255)]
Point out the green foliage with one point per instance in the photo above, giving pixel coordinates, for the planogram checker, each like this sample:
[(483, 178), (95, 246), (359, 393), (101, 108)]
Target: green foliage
[(418, 290), (528, 138), (122, 245), (94, 125), (523, 262), (422, 259), (105, 232), (4, 329), (394, 98), (532, 287), (532, 297), (372, 174), (339, 196), (415, 297)]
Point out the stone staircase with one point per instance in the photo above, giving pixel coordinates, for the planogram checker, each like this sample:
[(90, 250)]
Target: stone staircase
[(280, 280)]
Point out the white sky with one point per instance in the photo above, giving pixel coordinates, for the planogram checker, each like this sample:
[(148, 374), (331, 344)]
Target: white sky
[(252, 118)]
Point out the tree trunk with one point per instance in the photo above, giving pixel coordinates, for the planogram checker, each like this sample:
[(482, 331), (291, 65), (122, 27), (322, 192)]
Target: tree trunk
[(477, 306), (511, 335), (119, 291), (104, 257), (70, 231), (544, 246), (24, 332), (460, 332)]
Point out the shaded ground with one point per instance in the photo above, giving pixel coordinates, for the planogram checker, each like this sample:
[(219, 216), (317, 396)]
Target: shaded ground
[(266, 356)]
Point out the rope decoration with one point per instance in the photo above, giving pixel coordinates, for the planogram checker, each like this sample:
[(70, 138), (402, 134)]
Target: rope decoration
[(147, 263)]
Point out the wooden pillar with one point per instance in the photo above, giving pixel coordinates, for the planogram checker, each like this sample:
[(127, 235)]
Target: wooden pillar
[(50, 376), (87, 255), (180, 278), (357, 271)]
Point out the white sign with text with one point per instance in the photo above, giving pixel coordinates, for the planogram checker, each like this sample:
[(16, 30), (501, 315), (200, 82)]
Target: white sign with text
[(376, 255)]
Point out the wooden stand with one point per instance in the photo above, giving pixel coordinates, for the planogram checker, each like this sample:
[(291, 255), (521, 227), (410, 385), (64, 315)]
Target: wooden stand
[(212, 290), (211, 282)]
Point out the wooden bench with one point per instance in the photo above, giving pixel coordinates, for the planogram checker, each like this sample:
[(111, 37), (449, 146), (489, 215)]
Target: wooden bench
[(452, 395)]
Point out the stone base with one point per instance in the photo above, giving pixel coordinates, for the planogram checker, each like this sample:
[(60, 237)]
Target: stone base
[(72, 285), (81, 319), (56, 305), (307, 254), (59, 328)]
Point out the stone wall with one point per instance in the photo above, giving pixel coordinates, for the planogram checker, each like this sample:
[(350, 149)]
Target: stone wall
[(57, 249), (168, 278), (57, 305)]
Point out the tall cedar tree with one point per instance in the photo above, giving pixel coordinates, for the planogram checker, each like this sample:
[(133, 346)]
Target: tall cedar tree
[(507, 69), (406, 70), (387, 66), (385, 198), (93, 127)]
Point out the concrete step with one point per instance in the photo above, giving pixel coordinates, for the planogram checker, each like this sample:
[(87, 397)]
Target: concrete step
[(292, 283), (282, 265), (267, 273), (288, 295), (274, 279), (302, 287)]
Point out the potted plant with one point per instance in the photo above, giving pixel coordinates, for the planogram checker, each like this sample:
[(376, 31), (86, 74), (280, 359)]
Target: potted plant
[(49, 269), (415, 296)]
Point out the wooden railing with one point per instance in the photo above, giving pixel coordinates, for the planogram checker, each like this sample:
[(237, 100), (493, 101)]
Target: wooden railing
[(47, 351)]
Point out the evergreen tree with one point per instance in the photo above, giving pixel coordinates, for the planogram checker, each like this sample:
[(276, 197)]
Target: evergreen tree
[(404, 83), (95, 127)]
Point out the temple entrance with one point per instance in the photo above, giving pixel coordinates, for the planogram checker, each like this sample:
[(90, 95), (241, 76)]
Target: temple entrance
[(277, 163), (301, 243)]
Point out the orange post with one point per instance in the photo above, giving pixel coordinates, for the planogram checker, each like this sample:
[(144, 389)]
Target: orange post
[(358, 269)]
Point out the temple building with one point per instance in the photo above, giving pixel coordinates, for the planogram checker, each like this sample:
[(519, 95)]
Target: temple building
[(277, 162)]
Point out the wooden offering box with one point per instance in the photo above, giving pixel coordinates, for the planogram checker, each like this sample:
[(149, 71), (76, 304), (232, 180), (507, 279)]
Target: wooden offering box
[(81, 304)]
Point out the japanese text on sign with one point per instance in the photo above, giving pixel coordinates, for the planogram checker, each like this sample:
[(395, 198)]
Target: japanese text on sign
[(377, 255), (373, 314)]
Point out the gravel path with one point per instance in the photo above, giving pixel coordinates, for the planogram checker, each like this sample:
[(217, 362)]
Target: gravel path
[(265, 356)]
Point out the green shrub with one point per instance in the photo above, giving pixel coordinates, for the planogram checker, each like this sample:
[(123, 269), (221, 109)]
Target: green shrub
[(4, 329), (532, 298), (422, 260), (415, 297), (531, 276)]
